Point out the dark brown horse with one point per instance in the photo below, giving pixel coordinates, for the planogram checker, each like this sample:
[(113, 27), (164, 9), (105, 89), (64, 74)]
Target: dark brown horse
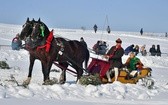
[(35, 34)]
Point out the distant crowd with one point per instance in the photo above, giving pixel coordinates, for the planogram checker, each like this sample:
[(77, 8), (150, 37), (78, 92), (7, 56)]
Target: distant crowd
[(154, 51), (101, 48)]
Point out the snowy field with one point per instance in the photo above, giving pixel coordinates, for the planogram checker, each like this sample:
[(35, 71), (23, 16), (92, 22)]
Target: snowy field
[(75, 94)]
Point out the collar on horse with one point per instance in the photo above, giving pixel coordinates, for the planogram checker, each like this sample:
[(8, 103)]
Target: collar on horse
[(47, 45)]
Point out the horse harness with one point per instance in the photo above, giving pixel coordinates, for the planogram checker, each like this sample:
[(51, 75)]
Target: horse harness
[(61, 50), (47, 45)]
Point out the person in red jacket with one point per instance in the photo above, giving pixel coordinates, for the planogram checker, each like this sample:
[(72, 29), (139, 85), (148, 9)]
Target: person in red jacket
[(115, 58)]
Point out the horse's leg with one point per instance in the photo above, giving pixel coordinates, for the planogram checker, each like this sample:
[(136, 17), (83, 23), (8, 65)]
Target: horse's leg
[(62, 78), (27, 81), (43, 68), (46, 72), (79, 70)]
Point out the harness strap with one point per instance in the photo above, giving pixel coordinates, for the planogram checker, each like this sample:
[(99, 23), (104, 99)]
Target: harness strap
[(60, 51), (48, 42)]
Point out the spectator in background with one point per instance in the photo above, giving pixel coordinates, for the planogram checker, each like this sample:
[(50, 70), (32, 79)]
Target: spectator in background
[(95, 28), (152, 50), (158, 52), (108, 29), (102, 48), (83, 42), (166, 34), (96, 47), (141, 31), (136, 50), (143, 50), (129, 49), (16, 43)]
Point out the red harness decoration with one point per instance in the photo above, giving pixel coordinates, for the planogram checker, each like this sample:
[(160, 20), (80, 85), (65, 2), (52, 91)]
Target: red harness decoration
[(48, 42)]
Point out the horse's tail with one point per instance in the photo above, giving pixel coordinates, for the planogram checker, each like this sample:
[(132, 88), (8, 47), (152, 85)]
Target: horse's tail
[(87, 58)]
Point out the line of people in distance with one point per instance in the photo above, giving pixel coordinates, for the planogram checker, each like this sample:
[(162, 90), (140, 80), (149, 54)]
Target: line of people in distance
[(101, 47), (135, 48)]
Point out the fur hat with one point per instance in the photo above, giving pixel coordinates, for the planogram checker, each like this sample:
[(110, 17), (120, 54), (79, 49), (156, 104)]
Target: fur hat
[(118, 40)]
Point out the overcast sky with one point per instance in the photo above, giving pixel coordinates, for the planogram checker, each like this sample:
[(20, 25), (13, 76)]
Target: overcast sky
[(123, 15)]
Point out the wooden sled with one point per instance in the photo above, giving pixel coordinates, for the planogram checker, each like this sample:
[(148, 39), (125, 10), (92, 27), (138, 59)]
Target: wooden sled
[(101, 67)]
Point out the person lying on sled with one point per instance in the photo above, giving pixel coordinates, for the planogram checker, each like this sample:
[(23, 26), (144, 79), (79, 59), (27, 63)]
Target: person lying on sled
[(133, 64)]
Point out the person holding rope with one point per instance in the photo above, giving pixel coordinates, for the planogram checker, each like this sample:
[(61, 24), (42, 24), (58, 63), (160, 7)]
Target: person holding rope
[(115, 58)]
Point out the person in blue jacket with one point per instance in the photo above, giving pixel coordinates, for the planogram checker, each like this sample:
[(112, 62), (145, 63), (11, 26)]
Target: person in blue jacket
[(129, 49), (16, 43)]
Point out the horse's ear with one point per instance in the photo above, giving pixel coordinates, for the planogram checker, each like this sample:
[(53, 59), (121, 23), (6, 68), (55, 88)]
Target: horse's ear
[(27, 19), (39, 20)]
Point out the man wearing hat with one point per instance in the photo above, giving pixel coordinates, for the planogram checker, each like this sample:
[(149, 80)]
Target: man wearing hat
[(115, 58)]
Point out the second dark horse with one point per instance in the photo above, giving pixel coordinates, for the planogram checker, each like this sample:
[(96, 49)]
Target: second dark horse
[(65, 52)]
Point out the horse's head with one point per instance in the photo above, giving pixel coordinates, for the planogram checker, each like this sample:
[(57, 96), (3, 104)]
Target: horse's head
[(39, 33), (26, 29)]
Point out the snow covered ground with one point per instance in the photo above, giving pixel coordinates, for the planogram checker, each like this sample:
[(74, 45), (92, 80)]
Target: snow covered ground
[(74, 94)]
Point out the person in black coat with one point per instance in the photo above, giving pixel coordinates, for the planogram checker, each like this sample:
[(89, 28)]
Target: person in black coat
[(83, 42), (158, 52), (166, 34), (141, 31), (108, 29), (115, 58), (95, 28), (129, 49), (152, 50)]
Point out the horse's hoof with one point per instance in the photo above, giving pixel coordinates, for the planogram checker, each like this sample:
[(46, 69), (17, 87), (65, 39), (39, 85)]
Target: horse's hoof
[(61, 82), (50, 82), (26, 82)]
